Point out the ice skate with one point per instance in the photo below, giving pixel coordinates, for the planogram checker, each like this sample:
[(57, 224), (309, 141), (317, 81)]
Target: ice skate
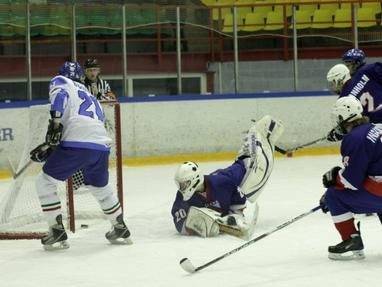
[(350, 249), (56, 238), (120, 233)]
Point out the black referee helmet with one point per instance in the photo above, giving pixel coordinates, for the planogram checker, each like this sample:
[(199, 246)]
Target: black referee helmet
[(91, 63)]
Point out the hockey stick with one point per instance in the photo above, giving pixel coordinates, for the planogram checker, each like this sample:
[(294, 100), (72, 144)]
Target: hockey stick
[(17, 174), (289, 151), (307, 144), (280, 150), (187, 266)]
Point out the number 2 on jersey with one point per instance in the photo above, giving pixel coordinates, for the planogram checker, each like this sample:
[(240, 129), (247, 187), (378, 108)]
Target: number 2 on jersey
[(87, 106)]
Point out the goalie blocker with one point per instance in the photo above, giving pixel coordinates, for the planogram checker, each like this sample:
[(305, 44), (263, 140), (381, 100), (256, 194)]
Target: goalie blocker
[(226, 190)]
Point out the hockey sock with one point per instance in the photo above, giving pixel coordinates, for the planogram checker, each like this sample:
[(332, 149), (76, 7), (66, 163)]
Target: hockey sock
[(108, 201), (346, 228), (49, 200)]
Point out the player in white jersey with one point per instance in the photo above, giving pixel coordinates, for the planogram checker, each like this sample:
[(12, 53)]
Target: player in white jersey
[(76, 139)]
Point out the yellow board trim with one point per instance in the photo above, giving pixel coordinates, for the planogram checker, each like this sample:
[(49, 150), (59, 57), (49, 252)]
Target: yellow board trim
[(5, 174), (205, 157), (223, 156)]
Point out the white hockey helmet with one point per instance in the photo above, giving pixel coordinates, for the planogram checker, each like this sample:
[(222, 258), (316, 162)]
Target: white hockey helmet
[(188, 178), (345, 110), (337, 76)]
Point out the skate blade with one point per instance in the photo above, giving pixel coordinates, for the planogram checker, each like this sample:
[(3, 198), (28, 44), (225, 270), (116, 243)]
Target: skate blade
[(350, 255), (121, 241), (57, 246)]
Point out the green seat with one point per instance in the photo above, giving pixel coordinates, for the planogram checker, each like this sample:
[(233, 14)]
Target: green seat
[(150, 17), (39, 19), (82, 22), (6, 30), (114, 22), (19, 23), (4, 16), (98, 21), (50, 21), (141, 18)]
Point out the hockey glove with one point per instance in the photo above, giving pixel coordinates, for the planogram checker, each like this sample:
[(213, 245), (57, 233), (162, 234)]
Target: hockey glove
[(41, 153), (323, 205), (335, 135), (54, 133), (330, 177)]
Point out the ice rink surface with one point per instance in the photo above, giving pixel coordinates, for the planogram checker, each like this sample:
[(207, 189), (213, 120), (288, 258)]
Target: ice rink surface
[(294, 256)]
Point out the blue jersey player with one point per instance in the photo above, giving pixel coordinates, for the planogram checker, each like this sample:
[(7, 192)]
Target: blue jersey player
[(206, 205), (76, 139), (365, 84), (355, 188)]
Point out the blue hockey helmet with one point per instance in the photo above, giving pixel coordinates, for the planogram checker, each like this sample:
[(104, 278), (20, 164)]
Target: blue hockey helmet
[(73, 71), (354, 56)]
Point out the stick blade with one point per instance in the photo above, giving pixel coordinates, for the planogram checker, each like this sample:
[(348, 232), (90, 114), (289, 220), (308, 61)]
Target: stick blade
[(187, 266)]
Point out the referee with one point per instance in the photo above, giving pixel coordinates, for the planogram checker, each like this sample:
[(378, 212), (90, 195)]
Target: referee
[(94, 83)]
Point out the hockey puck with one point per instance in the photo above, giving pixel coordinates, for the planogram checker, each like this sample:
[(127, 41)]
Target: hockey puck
[(231, 221), (84, 226)]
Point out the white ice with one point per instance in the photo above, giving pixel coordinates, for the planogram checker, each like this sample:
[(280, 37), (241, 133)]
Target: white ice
[(294, 256)]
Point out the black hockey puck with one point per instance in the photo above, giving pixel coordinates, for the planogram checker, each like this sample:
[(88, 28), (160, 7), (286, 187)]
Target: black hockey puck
[(84, 226), (231, 221)]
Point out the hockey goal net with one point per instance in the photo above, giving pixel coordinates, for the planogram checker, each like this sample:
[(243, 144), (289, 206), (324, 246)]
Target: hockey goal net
[(20, 211)]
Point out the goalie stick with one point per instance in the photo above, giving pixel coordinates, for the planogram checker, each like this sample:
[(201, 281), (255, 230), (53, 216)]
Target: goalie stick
[(187, 266)]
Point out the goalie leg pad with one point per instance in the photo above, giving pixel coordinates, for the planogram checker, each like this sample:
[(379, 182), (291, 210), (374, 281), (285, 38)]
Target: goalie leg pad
[(202, 221), (269, 129), (257, 174)]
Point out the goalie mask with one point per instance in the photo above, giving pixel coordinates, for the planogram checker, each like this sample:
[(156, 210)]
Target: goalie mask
[(346, 110), (188, 179), (73, 71), (337, 76)]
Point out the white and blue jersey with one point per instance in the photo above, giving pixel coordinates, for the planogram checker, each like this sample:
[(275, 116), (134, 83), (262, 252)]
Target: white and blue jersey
[(82, 115)]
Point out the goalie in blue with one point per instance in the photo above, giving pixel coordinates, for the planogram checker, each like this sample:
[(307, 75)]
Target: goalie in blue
[(206, 205), (76, 139)]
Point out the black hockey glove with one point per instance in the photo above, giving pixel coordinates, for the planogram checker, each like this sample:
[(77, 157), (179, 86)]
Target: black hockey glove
[(41, 153), (54, 133), (329, 178), (335, 135), (323, 205)]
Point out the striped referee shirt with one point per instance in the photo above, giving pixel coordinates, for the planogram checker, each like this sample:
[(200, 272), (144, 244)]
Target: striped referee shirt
[(103, 88)]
